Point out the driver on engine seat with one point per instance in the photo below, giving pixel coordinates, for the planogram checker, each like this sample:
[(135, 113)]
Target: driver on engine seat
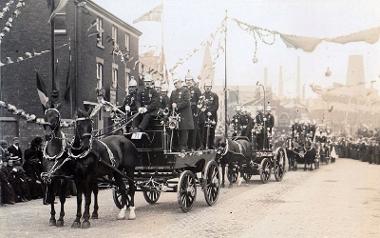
[(147, 103), (129, 105)]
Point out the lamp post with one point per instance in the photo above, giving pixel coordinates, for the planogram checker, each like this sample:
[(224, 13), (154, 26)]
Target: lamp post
[(264, 118)]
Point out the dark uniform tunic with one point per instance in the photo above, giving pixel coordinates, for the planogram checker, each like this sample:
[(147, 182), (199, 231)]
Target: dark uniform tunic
[(270, 121), (150, 99), (236, 124), (130, 100), (181, 97), (195, 139), (259, 120), (212, 105), (164, 101)]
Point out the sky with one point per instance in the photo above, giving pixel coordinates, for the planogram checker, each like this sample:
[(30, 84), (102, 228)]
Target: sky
[(187, 23)]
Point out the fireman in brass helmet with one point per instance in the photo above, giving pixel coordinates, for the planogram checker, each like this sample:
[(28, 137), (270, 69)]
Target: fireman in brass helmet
[(210, 117), (129, 104), (180, 103)]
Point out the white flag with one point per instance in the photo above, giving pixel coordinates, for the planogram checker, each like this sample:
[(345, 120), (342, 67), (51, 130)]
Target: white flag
[(152, 15)]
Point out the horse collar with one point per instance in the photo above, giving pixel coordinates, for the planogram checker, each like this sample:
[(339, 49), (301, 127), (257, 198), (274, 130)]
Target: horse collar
[(59, 155), (83, 154)]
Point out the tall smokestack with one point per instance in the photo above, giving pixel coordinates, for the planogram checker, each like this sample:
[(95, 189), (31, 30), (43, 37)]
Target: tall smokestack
[(355, 70), (298, 86), (280, 84)]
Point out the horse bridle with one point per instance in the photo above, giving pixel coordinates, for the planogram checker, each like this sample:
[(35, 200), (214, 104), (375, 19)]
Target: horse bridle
[(56, 124), (86, 152)]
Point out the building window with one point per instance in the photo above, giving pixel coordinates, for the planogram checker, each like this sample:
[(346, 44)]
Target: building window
[(114, 84), (126, 38), (99, 28), (114, 78), (99, 75), (114, 34), (126, 79)]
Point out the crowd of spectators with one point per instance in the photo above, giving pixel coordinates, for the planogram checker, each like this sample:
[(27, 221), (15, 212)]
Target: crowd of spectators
[(20, 172)]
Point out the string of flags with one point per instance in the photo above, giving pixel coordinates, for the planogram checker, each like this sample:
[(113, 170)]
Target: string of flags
[(266, 36), (209, 41), (27, 55), (8, 24), (32, 118)]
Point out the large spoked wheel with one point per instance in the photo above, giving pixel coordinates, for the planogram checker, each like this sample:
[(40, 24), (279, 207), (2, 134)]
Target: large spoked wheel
[(187, 190), (232, 173), (117, 198), (212, 182), (151, 196), (279, 169), (265, 171)]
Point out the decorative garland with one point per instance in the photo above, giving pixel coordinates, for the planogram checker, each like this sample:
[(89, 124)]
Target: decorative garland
[(28, 55), (30, 117), (266, 36), (16, 13), (209, 40)]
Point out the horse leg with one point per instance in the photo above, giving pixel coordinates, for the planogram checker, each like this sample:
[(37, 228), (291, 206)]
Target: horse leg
[(120, 183), (131, 191), (76, 223), (223, 174), (86, 213), (95, 190), (62, 198), (51, 194)]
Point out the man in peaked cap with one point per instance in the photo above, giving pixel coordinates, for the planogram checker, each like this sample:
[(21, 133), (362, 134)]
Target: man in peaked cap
[(194, 141), (180, 102), (147, 103)]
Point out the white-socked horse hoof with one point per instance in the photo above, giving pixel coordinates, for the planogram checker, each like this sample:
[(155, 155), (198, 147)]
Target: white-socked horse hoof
[(238, 179), (132, 214), (121, 215)]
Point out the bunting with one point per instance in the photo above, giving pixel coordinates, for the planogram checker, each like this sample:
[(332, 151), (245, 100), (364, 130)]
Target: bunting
[(8, 24), (209, 41), (32, 117), (305, 43), (27, 56)]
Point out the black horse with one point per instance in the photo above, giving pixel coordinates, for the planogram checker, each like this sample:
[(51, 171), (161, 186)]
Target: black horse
[(232, 151), (54, 153), (113, 156)]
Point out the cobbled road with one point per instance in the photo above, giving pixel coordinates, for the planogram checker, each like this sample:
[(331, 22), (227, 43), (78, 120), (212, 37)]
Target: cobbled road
[(338, 200)]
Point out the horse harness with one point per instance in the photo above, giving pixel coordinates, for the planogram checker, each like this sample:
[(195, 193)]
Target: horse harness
[(57, 156), (110, 154)]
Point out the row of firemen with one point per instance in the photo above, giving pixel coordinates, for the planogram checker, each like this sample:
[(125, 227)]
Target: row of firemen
[(257, 129), (197, 110)]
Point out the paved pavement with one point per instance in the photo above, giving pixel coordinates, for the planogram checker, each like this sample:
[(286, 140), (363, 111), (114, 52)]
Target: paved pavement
[(338, 200)]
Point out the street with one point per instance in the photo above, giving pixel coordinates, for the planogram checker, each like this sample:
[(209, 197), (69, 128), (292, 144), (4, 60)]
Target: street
[(338, 200)]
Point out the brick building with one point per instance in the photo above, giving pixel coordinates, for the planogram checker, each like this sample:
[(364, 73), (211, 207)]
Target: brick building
[(91, 33)]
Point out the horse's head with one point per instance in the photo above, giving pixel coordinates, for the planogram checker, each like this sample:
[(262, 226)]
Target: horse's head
[(83, 131), (220, 143), (53, 118)]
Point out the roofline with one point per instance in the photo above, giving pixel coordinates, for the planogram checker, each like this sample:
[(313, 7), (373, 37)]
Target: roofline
[(113, 17)]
